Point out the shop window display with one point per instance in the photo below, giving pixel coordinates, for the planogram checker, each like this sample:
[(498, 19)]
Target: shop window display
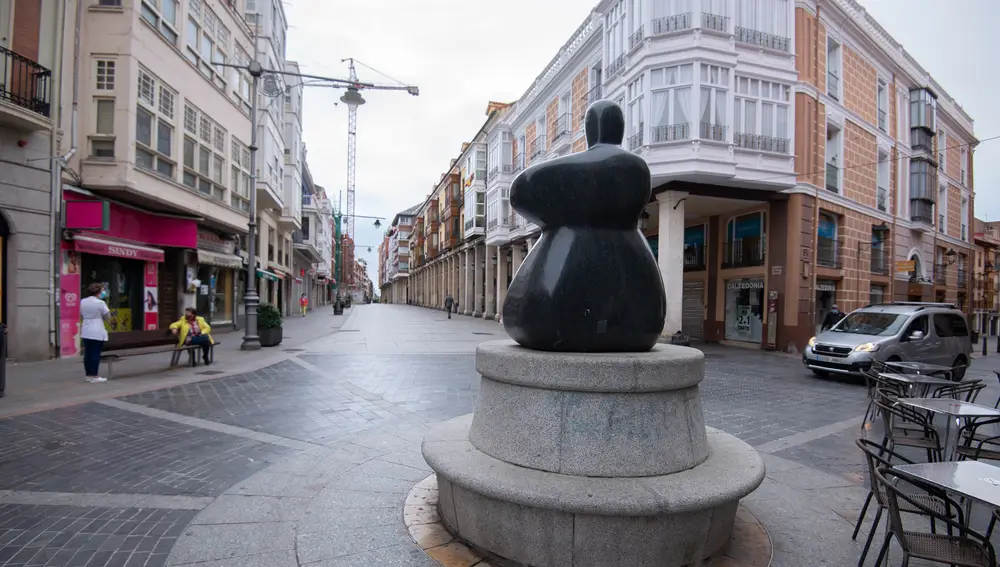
[(126, 290), (745, 310)]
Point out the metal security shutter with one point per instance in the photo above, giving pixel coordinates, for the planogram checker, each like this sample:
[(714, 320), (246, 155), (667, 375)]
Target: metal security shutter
[(693, 310)]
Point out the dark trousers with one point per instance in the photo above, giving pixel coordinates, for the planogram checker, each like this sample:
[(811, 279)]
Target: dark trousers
[(205, 344), (92, 356), (448, 307)]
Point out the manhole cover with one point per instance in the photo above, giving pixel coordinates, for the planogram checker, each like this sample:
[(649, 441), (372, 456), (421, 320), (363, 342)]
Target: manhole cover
[(294, 349), (477, 333), (210, 372)]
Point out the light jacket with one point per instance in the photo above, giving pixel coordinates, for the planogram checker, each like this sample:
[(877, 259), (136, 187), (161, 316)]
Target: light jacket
[(185, 328)]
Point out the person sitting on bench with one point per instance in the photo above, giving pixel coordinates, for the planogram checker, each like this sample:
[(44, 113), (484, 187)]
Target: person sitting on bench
[(193, 330)]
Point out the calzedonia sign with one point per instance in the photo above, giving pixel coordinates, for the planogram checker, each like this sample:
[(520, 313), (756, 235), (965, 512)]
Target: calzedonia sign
[(745, 284)]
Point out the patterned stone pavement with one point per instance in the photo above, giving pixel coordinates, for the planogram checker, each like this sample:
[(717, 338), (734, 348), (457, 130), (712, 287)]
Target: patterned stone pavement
[(307, 460)]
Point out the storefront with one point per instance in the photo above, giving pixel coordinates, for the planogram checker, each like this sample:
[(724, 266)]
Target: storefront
[(134, 254), (826, 298), (745, 310), (217, 267)]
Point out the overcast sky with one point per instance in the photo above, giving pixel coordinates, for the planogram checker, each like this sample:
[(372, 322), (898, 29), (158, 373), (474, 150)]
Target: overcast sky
[(464, 53)]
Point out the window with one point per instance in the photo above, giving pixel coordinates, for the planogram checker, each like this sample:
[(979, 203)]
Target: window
[(614, 27), (883, 106), (827, 253), (764, 23), (207, 42), (109, 2), (834, 165), (876, 294), (670, 16), (942, 206), (105, 75), (942, 150), (760, 115), (963, 164), (105, 116), (882, 190), (670, 107), (242, 88), (712, 104), (162, 15), (635, 118), (239, 195), (204, 148), (923, 109), (102, 144), (833, 68), (154, 131)]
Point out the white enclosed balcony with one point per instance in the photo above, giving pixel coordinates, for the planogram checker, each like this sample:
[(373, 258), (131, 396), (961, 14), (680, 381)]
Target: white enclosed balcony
[(498, 219)]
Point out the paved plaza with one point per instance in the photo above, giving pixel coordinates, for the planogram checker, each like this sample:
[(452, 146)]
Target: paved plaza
[(304, 454)]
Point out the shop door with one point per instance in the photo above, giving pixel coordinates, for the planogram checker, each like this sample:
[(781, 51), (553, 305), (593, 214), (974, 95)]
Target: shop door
[(693, 310), (203, 299), (826, 297)]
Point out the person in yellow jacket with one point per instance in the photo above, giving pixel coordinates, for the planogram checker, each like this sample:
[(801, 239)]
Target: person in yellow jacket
[(193, 330)]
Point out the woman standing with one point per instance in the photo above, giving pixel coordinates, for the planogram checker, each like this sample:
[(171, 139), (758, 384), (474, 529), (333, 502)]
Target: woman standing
[(94, 312)]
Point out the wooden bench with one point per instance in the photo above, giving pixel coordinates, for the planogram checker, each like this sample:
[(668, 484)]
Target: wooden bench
[(192, 350)]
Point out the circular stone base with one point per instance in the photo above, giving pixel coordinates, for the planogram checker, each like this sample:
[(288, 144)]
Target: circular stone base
[(553, 520), (748, 546)]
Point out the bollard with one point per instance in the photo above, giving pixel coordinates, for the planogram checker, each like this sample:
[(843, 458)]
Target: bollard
[(984, 345)]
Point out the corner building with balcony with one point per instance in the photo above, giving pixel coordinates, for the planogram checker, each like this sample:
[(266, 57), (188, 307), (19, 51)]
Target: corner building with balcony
[(799, 158)]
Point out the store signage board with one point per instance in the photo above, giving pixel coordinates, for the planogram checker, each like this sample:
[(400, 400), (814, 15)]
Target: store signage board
[(118, 250), (905, 265), (86, 215)]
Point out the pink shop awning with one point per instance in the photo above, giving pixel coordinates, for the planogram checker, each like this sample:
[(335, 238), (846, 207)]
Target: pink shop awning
[(118, 249)]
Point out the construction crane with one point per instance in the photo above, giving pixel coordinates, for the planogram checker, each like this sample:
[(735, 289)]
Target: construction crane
[(353, 99)]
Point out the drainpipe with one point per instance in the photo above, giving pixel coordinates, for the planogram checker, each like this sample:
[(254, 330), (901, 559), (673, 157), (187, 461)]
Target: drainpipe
[(892, 242), (59, 162), (815, 227)]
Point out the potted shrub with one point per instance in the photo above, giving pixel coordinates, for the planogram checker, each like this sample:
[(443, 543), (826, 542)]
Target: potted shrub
[(269, 325)]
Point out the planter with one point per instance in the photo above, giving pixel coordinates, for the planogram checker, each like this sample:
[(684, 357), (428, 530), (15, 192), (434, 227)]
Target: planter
[(270, 337)]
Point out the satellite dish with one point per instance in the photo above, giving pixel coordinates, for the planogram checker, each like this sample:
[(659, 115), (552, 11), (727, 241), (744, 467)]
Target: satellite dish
[(270, 85)]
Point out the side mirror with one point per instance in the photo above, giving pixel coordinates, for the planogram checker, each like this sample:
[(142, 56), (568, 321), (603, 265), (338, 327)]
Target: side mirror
[(916, 335)]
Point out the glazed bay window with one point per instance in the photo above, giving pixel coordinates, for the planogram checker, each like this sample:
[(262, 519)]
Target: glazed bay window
[(760, 115), (102, 142), (636, 118), (154, 131), (207, 41), (615, 38), (670, 108), (923, 185), (499, 158), (763, 23), (241, 88), (204, 148), (162, 15), (712, 102), (239, 194), (671, 16), (923, 110)]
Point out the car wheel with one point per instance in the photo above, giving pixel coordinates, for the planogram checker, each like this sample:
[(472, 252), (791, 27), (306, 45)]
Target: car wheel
[(960, 373), (820, 373)]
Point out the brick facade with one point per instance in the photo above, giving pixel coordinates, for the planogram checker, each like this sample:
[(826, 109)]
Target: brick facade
[(579, 94), (551, 118), (955, 211), (529, 136), (860, 86), (860, 169), (810, 139), (580, 145)]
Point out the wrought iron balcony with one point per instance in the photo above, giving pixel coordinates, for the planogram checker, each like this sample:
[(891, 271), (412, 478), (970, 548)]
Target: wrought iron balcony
[(761, 143), (670, 24), (537, 147), (963, 278), (694, 257), (25, 83), (940, 274), (880, 261), (882, 198), (833, 85), (593, 95), (743, 252), (561, 127), (518, 163), (882, 120), (714, 22), (832, 177), (761, 39), (637, 37), (828, 253), (615, 67), (635, 141), (716, 132), (670, 133)]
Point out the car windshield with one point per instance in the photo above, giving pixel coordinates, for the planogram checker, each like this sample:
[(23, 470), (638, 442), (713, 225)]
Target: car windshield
[(869, 323)]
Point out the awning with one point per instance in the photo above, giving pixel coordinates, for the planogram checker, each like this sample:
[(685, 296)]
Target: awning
[(221, 260), (116, 248), (268, 275)]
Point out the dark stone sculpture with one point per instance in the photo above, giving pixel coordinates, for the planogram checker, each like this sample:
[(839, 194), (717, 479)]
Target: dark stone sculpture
[(590, 283)]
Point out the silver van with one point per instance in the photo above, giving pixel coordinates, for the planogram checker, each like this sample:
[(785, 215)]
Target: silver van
[(936, 333)]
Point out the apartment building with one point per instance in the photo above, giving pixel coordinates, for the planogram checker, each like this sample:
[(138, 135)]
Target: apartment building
[(799, 158), (985, 281), (313, 243), (394, 257), (35, 65)]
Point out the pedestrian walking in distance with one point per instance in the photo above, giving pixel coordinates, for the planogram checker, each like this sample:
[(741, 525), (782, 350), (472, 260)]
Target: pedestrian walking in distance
[(449, 302), (93, 334), (304, 304)]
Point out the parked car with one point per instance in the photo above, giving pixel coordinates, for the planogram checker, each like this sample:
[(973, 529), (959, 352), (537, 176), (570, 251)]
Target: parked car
[(936, 333)]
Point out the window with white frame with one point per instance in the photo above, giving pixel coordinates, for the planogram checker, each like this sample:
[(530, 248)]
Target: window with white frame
[(965, 219), (670, 107), (636, 118), (537, 146), (714, 15), (942, 142), (942, 206), (204, 151), (207, 41), (239, 182), (242, 87), (712, 102), (104, 75), (834, 157), (883, 106), (670, 16), (765, 23), (760, 115), (902, 118), (963, 165), (154, 130), (102, 141), (882, 191), (615, 39), (833, 59), (636, 28), (162, 15)]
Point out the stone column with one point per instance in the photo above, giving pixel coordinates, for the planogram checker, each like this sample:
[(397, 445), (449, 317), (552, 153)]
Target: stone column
[(517, 251), (491, 269), (478, 278), (671, 256), (501, 279), (470, 258)]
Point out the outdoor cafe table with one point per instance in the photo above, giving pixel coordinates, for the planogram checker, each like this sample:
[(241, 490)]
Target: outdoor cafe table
[(971, 479), (912, 380), (919, 367), (953, 409)]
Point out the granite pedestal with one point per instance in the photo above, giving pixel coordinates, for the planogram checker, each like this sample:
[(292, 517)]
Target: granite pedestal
[(590, 460)]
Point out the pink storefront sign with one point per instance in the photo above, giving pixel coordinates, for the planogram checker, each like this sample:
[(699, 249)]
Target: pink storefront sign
[(69, 304), (126, 223)]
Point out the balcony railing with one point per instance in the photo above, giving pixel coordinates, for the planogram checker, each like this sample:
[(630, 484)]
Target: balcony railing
[(561, 127), (635, 141), (743, 252), (828, 253), (716, 132), (964, 231), (694, 257), (881, 120), (941, 223), (940, 274), (536, 147), (518, 163), (882, 198), (761, 143), (669, 24), (637, 37), (833, 85), (832, 178), (880, 261), (500, 168), (25, 82), (921, 139), (963, 278), (615, 67), (670, 133), (593, 95), (714, 22), (761, 39)]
